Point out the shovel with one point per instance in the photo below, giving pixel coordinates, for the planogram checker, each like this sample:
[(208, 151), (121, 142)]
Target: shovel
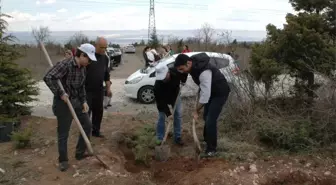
[(162, 152), (86, 139), (196, 141)]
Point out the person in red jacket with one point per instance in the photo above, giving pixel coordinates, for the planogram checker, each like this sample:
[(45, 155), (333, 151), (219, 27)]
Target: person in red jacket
[(73, 51), (186, 49)]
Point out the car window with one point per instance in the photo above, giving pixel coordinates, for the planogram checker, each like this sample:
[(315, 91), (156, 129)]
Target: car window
[(219, 62)]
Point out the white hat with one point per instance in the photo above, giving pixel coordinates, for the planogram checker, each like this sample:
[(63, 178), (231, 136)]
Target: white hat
[(161, 71), (88, 49)]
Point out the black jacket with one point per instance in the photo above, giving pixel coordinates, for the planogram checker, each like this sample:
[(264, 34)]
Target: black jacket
[(166, 92), (97, 73), (219, 84)]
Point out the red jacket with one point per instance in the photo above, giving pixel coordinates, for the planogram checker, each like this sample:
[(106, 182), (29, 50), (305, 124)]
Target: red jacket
[(73, 50), (186, 51)]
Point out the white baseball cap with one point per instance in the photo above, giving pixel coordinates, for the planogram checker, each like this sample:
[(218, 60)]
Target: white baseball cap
[(88, 49), (161, 71)]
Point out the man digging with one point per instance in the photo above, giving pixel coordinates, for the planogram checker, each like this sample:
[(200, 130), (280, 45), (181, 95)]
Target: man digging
[(166, 91), (214, 91), (71, 72), (97, 73)]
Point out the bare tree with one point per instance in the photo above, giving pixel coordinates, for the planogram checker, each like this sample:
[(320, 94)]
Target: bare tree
[(207, 32), (78, 38), (225, 37), (41, 34), (198, 37), (171, 39)]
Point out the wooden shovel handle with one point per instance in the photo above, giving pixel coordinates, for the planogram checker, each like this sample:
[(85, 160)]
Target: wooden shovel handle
[(170, 122), (86, 139), (197, 143)]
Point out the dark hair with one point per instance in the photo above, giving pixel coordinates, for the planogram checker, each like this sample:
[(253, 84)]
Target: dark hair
[(147, 47), (165, 48), (181, 60), (186, 47), (79, 52)]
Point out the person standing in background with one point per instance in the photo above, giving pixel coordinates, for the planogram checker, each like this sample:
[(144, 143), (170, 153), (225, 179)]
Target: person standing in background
[(68, 54), (186, 49), (73, 50), (97, 74), (170, 50)]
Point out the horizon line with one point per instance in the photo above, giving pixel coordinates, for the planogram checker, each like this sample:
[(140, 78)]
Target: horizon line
[(146, 30)]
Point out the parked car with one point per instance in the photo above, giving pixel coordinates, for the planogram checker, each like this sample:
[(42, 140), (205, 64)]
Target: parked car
[(115, 55), (129, 49), (140, 84)]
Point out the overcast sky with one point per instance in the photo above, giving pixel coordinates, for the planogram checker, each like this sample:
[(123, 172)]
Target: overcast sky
[(75, 15)]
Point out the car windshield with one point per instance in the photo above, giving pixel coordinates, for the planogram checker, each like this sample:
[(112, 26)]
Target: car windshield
[(117, 49)]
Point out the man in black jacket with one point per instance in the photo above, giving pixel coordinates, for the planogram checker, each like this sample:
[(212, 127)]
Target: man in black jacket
[(214, 91), (166, 91), (97, 74)]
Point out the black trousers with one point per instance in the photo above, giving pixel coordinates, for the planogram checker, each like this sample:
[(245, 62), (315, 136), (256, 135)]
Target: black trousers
[(64, 120), (212, 111), (95, 101)]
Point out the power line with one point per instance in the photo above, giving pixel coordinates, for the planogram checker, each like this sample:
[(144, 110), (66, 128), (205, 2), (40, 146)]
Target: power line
[(169, 5), (140, 3)]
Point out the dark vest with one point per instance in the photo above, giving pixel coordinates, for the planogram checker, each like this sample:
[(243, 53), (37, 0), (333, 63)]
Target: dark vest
[(200, 63)]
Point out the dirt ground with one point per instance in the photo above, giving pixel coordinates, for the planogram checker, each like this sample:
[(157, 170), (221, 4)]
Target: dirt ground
[(38, 163)]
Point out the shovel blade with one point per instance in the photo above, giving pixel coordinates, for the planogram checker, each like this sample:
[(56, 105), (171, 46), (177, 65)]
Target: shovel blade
[(162, 153), (104, 164)]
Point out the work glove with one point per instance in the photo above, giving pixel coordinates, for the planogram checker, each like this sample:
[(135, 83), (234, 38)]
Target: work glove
[(85, 108)]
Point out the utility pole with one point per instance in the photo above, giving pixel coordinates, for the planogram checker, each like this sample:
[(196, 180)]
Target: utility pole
[(151, 21)]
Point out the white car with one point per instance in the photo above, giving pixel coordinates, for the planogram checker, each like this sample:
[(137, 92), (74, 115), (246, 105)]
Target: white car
[(129, 49), (140, 84)]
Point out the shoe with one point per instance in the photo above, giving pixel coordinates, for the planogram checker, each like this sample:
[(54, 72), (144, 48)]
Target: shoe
[(63, 166), (95, 134), (209, 154), (81, 156), (179, 142)]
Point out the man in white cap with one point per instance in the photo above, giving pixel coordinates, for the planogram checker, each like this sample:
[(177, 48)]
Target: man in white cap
[(166, 89), (71, 72)]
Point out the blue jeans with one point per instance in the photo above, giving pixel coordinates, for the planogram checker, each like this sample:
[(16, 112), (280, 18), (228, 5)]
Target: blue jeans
[(211, 113), (160, 127)]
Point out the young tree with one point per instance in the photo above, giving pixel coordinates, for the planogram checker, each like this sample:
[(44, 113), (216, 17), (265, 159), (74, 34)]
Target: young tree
[(306, 46), (153, 41), (264, 65), (17, 86)]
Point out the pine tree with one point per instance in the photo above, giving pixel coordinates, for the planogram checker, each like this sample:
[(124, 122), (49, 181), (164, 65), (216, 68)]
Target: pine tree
[(17, 88), (153, 41)]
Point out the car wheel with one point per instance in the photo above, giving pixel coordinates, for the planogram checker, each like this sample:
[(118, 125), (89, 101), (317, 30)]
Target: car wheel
[(146, 95)]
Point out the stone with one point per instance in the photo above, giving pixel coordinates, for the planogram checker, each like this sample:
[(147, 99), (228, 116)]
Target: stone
[(253, 168), (327, 173)]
